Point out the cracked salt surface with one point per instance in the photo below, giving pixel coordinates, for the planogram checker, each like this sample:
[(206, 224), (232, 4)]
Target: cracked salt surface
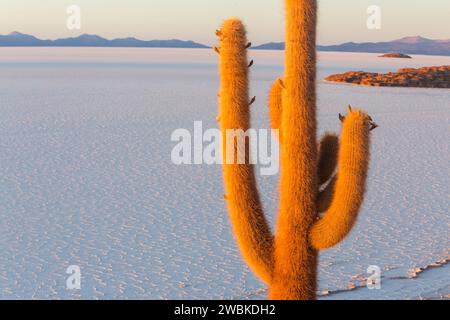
[(86, 178)]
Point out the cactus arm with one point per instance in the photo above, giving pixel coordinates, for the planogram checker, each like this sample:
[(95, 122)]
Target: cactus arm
[(339, 219), (250, 227), (275, 105), (328, 154), (325, 196)]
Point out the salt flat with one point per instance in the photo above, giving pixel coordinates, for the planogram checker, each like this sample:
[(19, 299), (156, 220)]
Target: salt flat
[(86, 178)]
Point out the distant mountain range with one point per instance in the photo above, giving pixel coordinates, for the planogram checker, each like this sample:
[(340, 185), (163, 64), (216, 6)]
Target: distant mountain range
[(409, 45), (17, 39)]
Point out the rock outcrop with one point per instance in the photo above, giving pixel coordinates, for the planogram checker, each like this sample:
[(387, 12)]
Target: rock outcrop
[(426, 77), (395, 55)]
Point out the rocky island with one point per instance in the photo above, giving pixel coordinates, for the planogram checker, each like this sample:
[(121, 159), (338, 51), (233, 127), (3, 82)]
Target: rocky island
[(395, 55), (426, 77)]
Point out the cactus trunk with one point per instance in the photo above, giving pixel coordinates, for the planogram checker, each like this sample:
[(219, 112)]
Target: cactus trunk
[(295, 266)]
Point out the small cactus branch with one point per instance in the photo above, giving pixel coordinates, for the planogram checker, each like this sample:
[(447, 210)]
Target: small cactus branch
[(339, 219), (328, 153), (326, 196), (275, 105), (246, 214)]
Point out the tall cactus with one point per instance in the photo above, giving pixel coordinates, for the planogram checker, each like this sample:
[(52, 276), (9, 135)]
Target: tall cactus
[(287, 262)]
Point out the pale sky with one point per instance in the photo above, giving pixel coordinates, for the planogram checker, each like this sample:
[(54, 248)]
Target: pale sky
[(339, 20)]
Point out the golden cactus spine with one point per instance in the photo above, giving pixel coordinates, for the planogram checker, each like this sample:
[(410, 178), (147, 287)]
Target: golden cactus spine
[(287, 262)]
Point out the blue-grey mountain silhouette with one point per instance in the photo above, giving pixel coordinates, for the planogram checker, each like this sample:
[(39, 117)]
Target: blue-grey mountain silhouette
[(17, 39), (408, 45)]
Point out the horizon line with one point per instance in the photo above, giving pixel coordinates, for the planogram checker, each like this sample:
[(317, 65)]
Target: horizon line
[(190, 40)]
